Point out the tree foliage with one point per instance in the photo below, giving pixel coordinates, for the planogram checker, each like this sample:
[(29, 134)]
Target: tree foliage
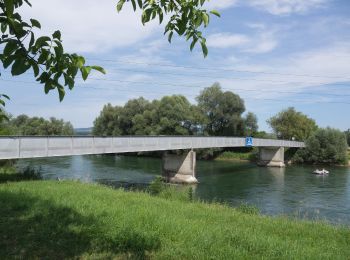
[(289, 124), (326, 146), (171, 115), (251, 124), (347, 133), (44, 55), (24, 125), (183, 17), (223, 111), (175, 115)]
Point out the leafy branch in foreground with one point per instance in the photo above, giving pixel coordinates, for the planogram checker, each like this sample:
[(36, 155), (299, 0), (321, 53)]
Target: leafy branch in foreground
[(186, 17), (45, 55)]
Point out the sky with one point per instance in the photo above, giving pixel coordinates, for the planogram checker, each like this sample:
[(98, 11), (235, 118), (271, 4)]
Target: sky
[(273, 53)]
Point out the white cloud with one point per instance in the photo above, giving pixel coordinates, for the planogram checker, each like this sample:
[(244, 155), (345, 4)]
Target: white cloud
[(226, 40), (89, 25), (264, 42), (285, 7), (260, 42), (220, 4), (310, 71)]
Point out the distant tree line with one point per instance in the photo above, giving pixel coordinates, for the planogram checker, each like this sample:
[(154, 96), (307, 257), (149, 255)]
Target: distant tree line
[(25, 125), (217, 113)]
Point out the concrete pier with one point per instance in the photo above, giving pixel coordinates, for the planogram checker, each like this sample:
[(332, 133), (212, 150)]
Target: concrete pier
[(271, 156), (180, 168)]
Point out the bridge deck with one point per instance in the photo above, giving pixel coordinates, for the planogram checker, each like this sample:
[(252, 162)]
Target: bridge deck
[(15, 147)]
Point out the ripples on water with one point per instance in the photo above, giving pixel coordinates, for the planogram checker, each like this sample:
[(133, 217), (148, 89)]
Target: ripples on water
[(292, 191)]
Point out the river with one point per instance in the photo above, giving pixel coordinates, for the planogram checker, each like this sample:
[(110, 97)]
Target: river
[(291, 191)]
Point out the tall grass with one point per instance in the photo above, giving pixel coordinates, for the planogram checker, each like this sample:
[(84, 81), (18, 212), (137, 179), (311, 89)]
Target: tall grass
[(57, 220)]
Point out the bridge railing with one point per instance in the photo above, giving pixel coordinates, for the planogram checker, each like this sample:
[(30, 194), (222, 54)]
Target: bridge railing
[(13, 147)]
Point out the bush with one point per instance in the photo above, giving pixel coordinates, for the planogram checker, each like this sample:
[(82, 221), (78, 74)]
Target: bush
[(156, 186), (171, 192), (325, 146), (10, 173)]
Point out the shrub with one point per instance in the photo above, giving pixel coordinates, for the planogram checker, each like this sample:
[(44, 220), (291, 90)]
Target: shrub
[(325, 146), (156, 186)]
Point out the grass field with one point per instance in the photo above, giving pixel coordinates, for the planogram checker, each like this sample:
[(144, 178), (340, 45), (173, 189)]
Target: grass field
[(56, 220)]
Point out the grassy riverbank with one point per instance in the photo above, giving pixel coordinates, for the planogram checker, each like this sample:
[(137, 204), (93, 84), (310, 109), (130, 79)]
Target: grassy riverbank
[(58, 220), (236, 156)]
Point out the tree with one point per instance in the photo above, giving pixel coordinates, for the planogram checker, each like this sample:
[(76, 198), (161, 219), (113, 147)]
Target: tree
[(171, 115), (250, 124), (185, 17), (326, 145), (223, 111), (347, 133), (289, 124), (54, 68), (107, 123), (24, 125)]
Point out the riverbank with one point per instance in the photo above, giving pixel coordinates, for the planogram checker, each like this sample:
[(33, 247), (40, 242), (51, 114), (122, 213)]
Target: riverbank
[(236, 156), (74, 220)]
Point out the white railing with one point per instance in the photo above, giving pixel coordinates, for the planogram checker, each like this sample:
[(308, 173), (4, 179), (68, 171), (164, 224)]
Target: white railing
[(14, 147)]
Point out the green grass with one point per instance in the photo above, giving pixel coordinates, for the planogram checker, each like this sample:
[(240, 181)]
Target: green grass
[(239, 156), (56, 220), (10, 174)]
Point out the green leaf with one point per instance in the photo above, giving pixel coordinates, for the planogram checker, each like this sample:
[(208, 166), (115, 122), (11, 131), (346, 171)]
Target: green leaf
[(204, 48), (214, 12), (68, 81), (98, 68), (3, 27), (11, 47), (133, 4), (19, 67), (42, 41), (35, 23), (205, 19), (170, 36), (193, 43), (35, 68), (120, 5), (80, 61), (9, 4), (57, 35), (160, 14), (32, 39), (85, 71), (5, 96), (58, 51), (43, 56), (8, 61), (61, 92)]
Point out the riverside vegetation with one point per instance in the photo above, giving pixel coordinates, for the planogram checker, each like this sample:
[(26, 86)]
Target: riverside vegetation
[(66, 219)]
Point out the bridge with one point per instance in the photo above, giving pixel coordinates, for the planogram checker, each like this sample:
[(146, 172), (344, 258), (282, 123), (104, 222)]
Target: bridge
[(177, 168)]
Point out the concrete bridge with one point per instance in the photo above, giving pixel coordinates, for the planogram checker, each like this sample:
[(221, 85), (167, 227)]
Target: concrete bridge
[(177, 168)]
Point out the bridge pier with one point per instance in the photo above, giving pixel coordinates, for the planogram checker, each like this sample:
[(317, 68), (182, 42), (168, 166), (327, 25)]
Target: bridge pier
[(271, 156), (180, 168)]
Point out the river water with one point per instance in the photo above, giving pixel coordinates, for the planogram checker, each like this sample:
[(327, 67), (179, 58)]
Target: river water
[(292, 191)]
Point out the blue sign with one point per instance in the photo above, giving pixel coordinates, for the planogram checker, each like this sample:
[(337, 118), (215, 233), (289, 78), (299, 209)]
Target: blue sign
[(249, 141)]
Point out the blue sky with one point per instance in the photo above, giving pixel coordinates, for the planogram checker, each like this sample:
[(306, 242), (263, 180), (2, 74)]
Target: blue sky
[(273, 53)]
